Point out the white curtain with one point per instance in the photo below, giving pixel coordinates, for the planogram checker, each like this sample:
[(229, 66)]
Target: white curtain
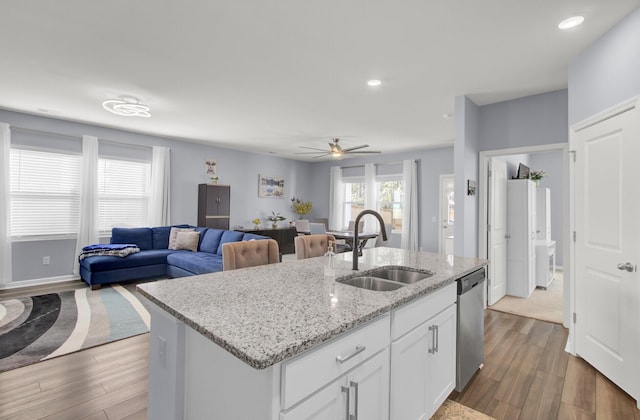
[(159, 186), (410, 206), (336, 199), (5, 205), (370, 197), (88, 229)]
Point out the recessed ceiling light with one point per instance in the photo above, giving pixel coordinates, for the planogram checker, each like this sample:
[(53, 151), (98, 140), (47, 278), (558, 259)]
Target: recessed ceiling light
[(374, 82), (571, 22), (447, 116), (127, 106)]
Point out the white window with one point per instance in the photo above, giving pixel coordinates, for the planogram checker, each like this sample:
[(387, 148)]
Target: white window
[(123, 196), (354, 190), (390, 196), (45, 193)]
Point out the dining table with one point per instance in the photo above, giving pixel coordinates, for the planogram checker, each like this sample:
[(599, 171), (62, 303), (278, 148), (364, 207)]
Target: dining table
[(348, 237)]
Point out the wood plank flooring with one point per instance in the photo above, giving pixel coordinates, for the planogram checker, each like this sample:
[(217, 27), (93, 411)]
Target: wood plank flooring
[(527, 375)]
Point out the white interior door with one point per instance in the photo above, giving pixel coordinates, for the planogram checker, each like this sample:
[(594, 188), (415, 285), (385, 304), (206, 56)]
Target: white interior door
[(607, 228), (447, 212), (497, 230)]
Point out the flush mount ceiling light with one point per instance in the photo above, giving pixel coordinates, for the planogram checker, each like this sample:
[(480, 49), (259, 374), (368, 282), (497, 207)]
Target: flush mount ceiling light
[(571, 22), (127, 106), (374, 82)]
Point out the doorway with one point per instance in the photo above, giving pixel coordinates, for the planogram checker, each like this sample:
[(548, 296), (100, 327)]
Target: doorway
[(561, 175)]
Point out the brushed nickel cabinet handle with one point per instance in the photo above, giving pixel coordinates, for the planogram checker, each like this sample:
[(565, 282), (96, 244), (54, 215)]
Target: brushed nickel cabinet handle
[(359, 349)]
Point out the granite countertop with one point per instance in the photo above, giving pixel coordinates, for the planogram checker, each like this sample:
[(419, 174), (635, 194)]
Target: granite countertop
[(266, 314)]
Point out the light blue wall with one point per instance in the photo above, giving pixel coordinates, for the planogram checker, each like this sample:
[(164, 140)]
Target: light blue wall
[(466, 148), (236, 168), (529, 121), (606, 73), (431, 164)]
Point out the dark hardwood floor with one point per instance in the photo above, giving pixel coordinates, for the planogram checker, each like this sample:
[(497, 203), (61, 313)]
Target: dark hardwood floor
[(527, 375)]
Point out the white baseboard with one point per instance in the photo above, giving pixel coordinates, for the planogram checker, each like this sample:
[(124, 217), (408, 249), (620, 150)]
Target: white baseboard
[(38, 282)]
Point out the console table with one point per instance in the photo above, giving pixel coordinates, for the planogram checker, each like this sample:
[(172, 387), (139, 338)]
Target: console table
[(283, 236)]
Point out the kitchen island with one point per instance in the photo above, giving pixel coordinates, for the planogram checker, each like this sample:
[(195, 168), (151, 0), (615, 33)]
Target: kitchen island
[(251, 343)]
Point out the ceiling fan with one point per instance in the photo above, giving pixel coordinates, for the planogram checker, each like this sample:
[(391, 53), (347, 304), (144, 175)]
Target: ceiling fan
[(336, 150)]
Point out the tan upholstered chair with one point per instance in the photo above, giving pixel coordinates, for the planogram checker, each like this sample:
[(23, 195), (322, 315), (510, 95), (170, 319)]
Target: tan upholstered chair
[(249, 253), (309, 246)]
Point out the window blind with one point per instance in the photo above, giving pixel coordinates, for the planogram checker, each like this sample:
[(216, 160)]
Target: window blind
[(45, 193), (123, 196)]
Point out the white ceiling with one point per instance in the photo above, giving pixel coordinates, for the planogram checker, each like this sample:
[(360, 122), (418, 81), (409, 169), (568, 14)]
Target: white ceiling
[(270, 76)]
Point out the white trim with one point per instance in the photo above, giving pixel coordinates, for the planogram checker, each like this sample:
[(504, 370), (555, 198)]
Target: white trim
[(441, 215), (604, 115), (38, 282), (567, 220)]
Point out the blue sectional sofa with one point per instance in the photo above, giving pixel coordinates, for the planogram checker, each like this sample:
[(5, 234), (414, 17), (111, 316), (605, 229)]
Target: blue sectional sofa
[(155, 259)]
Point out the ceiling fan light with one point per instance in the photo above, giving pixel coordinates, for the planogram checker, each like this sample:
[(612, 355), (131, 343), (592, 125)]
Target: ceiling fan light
[(127, 106)]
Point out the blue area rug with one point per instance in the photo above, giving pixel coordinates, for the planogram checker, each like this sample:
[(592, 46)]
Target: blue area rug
[(37, 328)]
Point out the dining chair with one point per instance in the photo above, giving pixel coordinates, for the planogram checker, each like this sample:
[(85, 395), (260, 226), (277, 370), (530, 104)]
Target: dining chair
[(309, 246), (381, 242), (249, 253), (302, 226), (317, 228), (322, 220), (352, 224)]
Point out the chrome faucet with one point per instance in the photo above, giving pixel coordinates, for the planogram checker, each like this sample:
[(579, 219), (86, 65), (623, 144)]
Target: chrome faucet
[(356, 242)]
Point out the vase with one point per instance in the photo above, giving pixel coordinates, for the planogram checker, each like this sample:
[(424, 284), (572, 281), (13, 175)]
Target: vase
[(537, 182), (274, 225)]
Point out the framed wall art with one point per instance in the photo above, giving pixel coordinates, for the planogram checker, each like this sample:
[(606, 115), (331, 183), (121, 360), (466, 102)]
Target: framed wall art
[(270, 186)]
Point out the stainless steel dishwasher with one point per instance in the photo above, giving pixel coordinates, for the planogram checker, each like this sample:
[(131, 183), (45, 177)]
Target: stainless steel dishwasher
[(470, 331)]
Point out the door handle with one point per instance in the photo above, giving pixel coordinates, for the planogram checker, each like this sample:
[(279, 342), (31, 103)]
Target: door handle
[(627, 266), (355, 402), (507, 236), (347, 390), (432, 350)]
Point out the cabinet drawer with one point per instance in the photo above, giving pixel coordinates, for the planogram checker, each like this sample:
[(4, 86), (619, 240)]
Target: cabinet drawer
[(312, 370), (413, 314)]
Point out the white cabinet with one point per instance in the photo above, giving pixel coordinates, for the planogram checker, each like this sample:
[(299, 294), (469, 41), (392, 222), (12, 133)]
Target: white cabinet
[(543, 214), (360, 394), (423, 361), (521, 235), (545, 263)]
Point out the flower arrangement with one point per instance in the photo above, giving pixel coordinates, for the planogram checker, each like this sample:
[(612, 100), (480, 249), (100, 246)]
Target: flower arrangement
[(301, 207), (276, 217), (256, 222), (537, 175)]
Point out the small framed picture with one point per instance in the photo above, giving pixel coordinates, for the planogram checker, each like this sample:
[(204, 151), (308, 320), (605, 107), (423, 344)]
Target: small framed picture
[(471, 187), (270, 186)]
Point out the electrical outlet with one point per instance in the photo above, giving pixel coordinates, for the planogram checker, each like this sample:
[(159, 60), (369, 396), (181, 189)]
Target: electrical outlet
[(46, 260)]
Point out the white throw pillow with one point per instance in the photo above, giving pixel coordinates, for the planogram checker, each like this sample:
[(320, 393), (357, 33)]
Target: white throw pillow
[(187, 240), (173, 233)]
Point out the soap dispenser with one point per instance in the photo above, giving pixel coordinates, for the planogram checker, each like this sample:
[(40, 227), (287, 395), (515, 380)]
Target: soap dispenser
[(329, 268)]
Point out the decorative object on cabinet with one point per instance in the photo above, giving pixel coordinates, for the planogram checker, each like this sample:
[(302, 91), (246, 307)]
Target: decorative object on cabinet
[(275, 218), (471, 187), (210, 166), (256, 223), (213, 206), (301, 207), (270, 186), (521, 231), (537, 176), (523, 172)]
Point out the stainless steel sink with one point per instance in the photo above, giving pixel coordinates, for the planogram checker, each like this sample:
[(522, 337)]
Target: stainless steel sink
[(371, 283), (400, 275), (386, 279)]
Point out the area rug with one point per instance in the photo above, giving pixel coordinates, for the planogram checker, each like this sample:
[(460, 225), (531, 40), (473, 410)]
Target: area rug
[(545, 305), (451, 410), (41, 327)]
